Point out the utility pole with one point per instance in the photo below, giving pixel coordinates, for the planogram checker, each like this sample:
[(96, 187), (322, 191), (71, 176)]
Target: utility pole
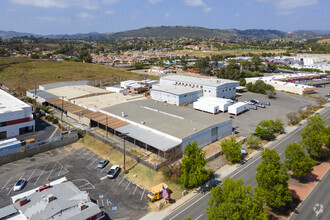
[(35, 92), (124, 135), (106, 124), (62, 108)]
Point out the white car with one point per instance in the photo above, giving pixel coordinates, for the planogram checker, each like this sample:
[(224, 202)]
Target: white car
[(113, 171), (19, 184)]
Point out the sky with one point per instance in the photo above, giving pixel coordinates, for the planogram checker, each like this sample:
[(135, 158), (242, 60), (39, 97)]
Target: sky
[(83, 16)]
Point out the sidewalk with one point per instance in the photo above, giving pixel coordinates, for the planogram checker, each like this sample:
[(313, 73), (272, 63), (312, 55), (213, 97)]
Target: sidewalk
[(223, 172)]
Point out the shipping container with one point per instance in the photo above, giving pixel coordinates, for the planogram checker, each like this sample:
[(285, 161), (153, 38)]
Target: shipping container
[(222, 104), (238, 108), (205, 107)]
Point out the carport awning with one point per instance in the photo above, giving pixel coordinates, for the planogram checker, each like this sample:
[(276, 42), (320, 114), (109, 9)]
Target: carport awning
[(157, 141)]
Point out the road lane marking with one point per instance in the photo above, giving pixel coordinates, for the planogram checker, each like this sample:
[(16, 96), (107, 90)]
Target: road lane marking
[(41, 174), (135, 190), (5, 184), (142, 194), (121, 181), (128, 185), (199, 217), (32, 174)]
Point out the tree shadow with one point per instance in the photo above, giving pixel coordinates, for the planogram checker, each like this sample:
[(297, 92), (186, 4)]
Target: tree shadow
[(311, 177), (289, 207)]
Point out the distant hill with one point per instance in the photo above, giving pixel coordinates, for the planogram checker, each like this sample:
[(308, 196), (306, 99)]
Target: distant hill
[(169, 32)]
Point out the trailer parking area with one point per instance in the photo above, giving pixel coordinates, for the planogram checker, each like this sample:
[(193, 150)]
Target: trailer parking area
[(118, 198), (283, 104)]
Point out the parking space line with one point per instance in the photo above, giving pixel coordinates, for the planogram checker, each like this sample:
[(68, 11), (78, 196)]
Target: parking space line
[(50, 153), (60, 170), (104, 168), (5, 184), (128, 185), (32, 174), (85, 155), (135, 190), (14, 185), (121, 181), (15, 164), (58, 150), (94, 161), (90, 157), (41, 174), (51, 171), (142, 194), (83, 149)]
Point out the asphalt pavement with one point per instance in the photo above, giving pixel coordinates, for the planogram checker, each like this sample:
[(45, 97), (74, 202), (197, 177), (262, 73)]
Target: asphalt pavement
[(196, 207), (317, 204)]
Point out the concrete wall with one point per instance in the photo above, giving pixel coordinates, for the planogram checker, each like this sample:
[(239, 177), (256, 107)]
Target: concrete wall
[(204, 138), (13, 130), (175, 99), (36, 148)]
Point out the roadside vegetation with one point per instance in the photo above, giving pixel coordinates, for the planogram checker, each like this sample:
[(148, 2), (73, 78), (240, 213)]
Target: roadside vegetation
[(232, 149), (267, 129)]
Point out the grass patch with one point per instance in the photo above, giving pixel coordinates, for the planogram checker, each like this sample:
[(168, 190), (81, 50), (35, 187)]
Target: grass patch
[(21, 74), (145, 177)]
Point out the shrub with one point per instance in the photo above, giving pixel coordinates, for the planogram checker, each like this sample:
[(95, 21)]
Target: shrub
[(55, 121), (253, 141), (231, 149)]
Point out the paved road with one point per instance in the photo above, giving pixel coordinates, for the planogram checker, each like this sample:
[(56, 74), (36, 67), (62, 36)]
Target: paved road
[(196, 208), (317, 204)]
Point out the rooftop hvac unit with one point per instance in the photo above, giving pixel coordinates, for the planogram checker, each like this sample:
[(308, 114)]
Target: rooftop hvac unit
[(50, 198), (142, 122), (123, 114), (82, 206)]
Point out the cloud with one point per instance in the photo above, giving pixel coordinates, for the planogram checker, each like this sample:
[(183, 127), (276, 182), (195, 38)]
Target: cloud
[(10, 10), (136, 15), (290, 4), (110, 12), (85, 15), (52, 18), (154, 1), (198, 3), (87, 4), (167, 15), (110, 2)]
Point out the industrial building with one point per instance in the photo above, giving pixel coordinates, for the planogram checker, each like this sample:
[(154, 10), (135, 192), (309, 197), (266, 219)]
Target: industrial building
[(161, 127), (286, 82), (172, 89), (41, 96), (65, 83), (59, 201), (15, 116)]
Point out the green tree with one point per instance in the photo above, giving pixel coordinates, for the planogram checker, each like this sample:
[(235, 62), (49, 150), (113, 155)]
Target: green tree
[(193, 170), (233, 200), (231, 149), (272, 178), (278, 125), (315, 136), (265, 130), (203, 65), (253, 141), (138, 65), (297, 161), (84, 56)]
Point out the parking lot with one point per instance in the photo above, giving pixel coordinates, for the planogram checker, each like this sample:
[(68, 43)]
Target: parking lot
[(283, 104), (118, 197)]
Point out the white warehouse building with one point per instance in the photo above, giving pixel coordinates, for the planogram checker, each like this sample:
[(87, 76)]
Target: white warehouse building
[(177, 89), (15, 116)]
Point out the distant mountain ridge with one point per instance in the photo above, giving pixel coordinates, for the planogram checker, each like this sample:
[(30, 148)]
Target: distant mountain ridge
[(169, 32)]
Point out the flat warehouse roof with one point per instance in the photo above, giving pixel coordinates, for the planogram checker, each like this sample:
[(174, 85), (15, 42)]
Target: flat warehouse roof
[(199, 81), (43, 94), (75, 92), (176, 90), (66, 83), (157, 141), (9, 103), (100, 101), (179, 122)]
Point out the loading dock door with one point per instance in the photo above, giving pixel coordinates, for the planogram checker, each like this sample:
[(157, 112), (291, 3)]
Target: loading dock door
[(214, 134)]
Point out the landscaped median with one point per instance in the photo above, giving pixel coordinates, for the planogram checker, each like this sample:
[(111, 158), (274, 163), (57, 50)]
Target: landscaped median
[(138, 173)]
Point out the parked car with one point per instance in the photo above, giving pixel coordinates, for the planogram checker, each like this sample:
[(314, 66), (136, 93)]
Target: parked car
[(113, 171), (266, 103), (102, 163), (19, 185), (252, 102), (260, 105), (253, 107)]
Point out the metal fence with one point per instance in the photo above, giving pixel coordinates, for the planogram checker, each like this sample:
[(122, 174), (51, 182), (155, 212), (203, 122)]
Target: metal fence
[(121, 149)]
